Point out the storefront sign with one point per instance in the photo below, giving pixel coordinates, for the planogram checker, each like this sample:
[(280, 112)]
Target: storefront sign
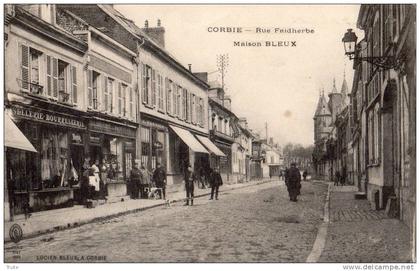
[(47, 117), (152, 124), (111, 129), (76, 139)]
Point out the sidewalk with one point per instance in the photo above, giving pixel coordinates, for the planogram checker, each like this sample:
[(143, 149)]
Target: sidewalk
[(358, 234), (60, 219)]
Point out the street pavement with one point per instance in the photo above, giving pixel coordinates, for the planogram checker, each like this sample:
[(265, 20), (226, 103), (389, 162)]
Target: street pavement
[(358, 234), (251, 224)]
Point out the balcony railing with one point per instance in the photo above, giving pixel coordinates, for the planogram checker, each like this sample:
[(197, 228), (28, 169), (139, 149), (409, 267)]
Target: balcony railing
[(64, 97), (33, 88)]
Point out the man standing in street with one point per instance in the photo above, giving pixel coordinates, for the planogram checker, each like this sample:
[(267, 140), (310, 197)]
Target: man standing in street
[(294, 182), (159, 178), (190, 177), (215, 182), (135, 180)]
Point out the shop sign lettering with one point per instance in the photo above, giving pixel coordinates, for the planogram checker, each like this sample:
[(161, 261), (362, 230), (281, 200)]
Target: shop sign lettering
[(47, 117)]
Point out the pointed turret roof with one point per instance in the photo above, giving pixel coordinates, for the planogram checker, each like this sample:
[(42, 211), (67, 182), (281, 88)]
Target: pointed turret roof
[(344, 91), (334, 89), (322, 107)]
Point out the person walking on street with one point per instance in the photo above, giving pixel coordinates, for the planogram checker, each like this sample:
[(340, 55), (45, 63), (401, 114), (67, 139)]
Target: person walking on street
[(135, 180), (337, 178), (215, 182), (190, 178), (145, 180), (294, 179), (286, 179), (159, 178), (304, 174)]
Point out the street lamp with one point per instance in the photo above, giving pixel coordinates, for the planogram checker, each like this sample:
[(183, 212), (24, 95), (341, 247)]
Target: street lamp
[(385, 62)]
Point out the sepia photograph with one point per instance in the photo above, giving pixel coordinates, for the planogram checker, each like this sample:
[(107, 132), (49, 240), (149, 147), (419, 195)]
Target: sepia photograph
[(210, 133)]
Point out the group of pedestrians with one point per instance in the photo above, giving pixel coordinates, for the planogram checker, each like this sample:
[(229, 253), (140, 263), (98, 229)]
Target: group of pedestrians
[(191, 177), (142, 180), (95, 177)]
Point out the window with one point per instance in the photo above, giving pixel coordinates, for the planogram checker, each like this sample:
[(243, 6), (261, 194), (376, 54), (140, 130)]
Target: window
[(184, 104), (154, 91), (93, 79), (145, 145), (30, 69), (179, 102), (202, 115), (74, 84), (122, 88), (374, 135), (160, 91), (168, 87), (108, 94), (193, 109), (219, 125), (147, 85), (174, 99), (131, 112)]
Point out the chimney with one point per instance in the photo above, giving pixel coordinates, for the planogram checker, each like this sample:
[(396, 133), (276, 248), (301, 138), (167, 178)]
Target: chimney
[(157, 34), (227, 102), (243, 122), (189, 67)]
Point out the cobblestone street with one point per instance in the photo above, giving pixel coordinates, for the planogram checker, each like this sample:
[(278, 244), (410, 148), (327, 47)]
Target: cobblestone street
[(252, 224)]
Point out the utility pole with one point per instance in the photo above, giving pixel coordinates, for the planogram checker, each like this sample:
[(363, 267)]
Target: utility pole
[(222, 64), (266, 131)]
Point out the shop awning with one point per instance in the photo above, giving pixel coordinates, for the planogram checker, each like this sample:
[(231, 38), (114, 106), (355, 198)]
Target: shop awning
[(14, 138), (213, 148), (189, 139)]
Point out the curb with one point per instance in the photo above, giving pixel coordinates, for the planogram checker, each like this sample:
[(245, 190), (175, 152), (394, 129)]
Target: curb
[(321, 236), (107, 217)]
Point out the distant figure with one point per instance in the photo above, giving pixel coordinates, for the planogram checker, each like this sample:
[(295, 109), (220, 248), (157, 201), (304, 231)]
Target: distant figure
[(144, 181), (294, 179), (215, 182), (159, 178), (337, 178), (305, 173), (343, 176), (135, 180), (281, 175), (189, 178)]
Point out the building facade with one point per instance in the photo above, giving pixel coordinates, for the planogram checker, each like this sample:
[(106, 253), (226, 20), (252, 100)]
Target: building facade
[(388, 105)]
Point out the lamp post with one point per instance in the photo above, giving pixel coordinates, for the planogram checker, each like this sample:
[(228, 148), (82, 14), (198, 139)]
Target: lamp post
[(351, 49)]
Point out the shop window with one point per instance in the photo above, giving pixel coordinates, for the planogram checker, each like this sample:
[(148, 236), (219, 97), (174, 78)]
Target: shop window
[(145, 145)]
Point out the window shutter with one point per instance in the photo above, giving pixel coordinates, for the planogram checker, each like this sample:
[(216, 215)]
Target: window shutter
[(153, 88), (74, 83), (130, 102), (111, 96), (89, 86), (124, 101), (168, 96), (24, 52), (49, 76), (174, 109), (144, 85), (105, 94), (55, 77)]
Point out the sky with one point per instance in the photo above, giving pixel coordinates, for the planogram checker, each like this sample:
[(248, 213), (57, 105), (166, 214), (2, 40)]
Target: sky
[(279, 86)]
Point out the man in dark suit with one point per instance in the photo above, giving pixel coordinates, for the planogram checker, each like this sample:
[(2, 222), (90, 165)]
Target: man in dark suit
[(294, 179), (215, 182), (190, 177), (159, 178)]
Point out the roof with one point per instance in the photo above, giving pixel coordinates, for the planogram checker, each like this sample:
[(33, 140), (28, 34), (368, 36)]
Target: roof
[(136, 31), (322, 107)]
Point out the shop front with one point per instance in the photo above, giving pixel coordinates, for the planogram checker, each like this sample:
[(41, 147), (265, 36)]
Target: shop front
[(112, 147), (44, 179)]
